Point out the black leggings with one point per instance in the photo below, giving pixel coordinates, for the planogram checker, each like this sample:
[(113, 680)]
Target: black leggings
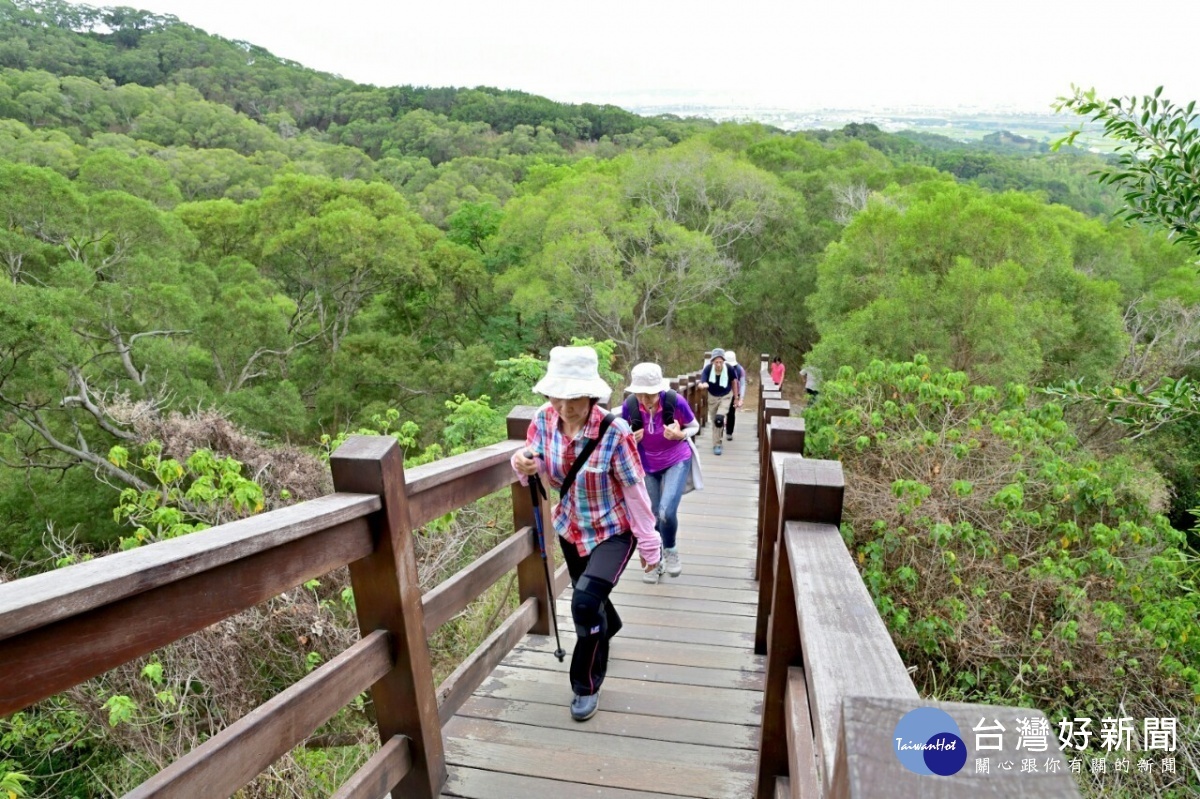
[(729, 419), (596, 620)]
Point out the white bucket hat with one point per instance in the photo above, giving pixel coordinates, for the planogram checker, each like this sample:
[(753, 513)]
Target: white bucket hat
[(731, 357), (648, 379), (573, 372)]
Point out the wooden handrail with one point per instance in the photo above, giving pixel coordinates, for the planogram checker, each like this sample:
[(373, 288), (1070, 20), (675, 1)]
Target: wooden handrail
[(51, 596), (228, 761), (836, 686), (449, 598), (437, 488), (60, 628), (483, 661), (43, 661)]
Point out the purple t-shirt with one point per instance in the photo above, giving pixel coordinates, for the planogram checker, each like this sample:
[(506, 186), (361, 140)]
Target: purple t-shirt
[(656, 450)]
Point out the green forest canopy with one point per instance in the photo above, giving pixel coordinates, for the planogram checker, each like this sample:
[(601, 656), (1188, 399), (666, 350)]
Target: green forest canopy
[(192, 224)]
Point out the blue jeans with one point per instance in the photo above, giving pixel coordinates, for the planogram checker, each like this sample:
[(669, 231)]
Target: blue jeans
[(666, 490)]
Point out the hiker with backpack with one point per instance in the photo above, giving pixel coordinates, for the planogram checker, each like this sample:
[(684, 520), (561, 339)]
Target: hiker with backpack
[(739, 372), (663, 424), (722, 386), (603, 513)]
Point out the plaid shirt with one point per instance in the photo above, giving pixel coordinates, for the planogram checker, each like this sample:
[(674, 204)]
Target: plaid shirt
[(594, 509)]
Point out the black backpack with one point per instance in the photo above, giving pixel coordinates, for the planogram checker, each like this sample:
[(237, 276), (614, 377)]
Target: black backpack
[(633, 411)]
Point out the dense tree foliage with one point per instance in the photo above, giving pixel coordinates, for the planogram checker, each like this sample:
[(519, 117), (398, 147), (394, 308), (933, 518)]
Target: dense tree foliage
[(209, 253)]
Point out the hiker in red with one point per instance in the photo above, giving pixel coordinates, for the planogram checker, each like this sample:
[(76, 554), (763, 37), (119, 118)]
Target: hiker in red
[(604, 513)]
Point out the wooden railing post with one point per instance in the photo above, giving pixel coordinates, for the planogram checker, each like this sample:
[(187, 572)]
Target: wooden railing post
[(531, 574), (700, 405), (387, 596), (784, 435), (770, 405), (812, 491)]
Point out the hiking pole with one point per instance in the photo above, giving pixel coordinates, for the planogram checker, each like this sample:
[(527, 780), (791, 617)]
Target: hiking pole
[(536, 489)]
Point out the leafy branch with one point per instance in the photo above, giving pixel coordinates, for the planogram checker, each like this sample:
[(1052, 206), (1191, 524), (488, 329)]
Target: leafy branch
[(1157, 160), (1134, 406)]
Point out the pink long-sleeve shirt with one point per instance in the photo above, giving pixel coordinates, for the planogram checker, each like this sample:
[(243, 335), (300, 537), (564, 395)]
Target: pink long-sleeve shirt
[(609, 495)]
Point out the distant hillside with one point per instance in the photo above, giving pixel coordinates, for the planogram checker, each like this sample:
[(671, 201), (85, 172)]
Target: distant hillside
[(125, 46)]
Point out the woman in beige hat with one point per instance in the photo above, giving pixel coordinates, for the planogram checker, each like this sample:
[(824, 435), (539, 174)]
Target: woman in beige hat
[(604, 512)]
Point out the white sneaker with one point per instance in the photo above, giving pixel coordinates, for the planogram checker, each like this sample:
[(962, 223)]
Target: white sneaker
[(674, 564), (652, 576)]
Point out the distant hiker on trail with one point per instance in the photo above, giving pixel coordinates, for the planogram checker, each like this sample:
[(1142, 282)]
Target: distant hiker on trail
[(603, 513), (722, 388), (662, 422), (739, 372), (777, 371), (812, 382)]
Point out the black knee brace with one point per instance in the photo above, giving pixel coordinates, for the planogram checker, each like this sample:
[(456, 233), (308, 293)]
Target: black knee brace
[(719, 421), (587, 606)]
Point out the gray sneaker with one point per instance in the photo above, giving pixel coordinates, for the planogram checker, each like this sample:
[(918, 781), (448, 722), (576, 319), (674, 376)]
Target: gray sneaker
[(652, 576), (674, 564), (584, 707)]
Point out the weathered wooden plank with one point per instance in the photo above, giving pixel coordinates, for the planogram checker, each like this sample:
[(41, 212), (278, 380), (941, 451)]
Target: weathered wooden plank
[(703, 577), (734, 509), (716, 657), (601, 769), (847, 648), (634, 725), (675, 618), (445, 601), (437, 488), (867, 765), (652, 672), (672, 588), (226, 762), (41, 662), (730, 530), (387, 596), (473, 783), (382, 772), (585, 738), (721, 558), (42, 599), (783, 789), (802, 756), (667, 634), (624, 599), (632, 696), (737, 544), (472, 671), (717, 492)]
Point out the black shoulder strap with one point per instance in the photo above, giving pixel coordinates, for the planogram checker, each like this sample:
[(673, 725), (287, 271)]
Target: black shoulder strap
[(588, 449), (633, 410), (669, 400)]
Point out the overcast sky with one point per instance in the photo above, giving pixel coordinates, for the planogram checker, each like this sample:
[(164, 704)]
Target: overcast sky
[(794, 54)]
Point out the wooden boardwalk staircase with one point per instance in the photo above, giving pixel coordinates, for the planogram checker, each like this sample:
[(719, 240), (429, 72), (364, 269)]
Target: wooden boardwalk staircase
[(762, 671), (680, 709)]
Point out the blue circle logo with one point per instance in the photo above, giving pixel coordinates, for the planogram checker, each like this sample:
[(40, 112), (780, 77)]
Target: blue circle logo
[(928, 741)]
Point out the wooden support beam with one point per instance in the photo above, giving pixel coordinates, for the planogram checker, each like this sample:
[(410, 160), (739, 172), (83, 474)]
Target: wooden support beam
[(387, 596), (227, 762), (531, 572), (382, 772)]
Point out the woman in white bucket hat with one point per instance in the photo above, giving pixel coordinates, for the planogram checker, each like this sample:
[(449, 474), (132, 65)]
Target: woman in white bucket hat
[(662, 423), (603, 515)]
